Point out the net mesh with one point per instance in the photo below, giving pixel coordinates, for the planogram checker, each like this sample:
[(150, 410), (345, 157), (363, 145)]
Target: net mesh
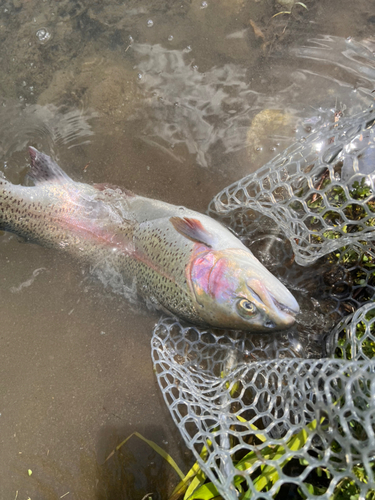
[(271, 414)]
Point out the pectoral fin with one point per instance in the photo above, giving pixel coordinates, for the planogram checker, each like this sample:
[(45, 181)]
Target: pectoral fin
[(192, 229)]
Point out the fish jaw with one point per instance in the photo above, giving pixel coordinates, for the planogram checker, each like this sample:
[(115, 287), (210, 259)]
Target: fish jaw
[(277, 314), (224, 280)]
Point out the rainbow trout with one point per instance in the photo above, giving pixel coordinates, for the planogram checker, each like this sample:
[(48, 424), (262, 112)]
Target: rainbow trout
[(181, 261)]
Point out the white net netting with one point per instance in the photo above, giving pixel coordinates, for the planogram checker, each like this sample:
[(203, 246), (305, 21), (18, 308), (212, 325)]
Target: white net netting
[(271, 415)]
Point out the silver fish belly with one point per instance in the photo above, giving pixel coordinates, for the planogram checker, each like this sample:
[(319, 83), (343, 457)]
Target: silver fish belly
[(179, 260)]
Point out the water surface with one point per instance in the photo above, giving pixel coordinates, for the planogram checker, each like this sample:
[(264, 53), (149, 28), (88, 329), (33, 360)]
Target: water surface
[(173, 100)]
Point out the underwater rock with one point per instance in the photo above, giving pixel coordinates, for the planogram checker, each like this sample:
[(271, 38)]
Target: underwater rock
[(269, 123)]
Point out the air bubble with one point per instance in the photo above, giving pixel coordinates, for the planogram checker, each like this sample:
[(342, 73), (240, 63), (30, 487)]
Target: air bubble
[(139, 76), (204, 5), (43, 35), (150, 23), (170, 38)]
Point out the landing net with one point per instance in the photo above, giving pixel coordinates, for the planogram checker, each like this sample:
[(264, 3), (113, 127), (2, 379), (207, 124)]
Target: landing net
[(292, 411)]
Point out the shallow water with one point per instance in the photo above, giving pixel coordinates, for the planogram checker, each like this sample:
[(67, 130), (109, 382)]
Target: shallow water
[(173, 100)]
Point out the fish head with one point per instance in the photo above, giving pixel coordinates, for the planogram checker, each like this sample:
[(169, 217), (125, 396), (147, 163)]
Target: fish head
[(234, 290)]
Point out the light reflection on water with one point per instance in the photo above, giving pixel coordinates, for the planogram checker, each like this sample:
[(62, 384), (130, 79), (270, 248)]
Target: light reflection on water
[(213, 103)]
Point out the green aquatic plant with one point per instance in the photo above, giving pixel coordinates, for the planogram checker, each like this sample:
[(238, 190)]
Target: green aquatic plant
[(152, 445), (364, 340), (340, 207), (195, 485)]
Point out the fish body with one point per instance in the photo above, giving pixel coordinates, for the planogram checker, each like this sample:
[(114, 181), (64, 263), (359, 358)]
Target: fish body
[(179, 260)]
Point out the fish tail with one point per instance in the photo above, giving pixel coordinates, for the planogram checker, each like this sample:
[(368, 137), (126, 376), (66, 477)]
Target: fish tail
[(44, 169), (15, 200)]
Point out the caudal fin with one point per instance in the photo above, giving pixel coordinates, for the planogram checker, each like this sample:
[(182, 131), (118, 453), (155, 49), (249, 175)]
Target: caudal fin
[(44, 169)]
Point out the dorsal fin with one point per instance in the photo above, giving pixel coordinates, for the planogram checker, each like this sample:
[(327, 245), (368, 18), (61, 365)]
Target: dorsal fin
[(44, 169), (192, 229)]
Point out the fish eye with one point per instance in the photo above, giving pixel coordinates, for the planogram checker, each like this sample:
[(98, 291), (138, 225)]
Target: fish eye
[(246, 307)]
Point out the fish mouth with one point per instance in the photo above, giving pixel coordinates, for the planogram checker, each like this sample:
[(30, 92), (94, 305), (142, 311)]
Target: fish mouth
[(283, 308), (276, 315)]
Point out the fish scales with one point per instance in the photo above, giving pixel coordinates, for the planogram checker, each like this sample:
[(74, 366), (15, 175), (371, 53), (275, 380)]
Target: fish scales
[(67, 224), (159, 268), (181, 261)]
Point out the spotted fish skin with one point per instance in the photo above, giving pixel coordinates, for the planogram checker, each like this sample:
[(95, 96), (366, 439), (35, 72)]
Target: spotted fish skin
[(180, 261)]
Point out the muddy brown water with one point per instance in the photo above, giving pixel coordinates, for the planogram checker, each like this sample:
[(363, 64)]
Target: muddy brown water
[(173, 100)]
